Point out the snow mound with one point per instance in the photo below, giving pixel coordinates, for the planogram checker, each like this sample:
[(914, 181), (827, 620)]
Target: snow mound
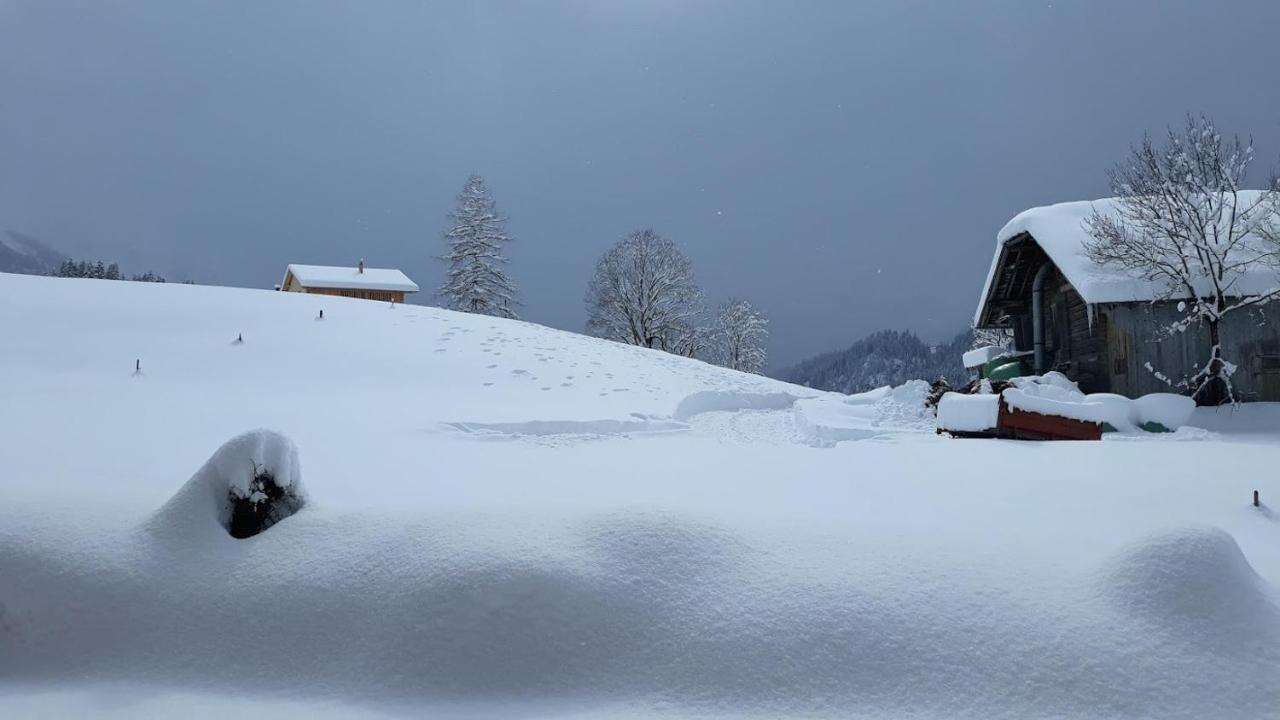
[(1117, 410), (905, 407), (885, 409), (586, 428), (1196, 585), (968, 413), (723, 400), (1171, 411), (978, 357), (1055, 394), (249, 484), (870, 396)]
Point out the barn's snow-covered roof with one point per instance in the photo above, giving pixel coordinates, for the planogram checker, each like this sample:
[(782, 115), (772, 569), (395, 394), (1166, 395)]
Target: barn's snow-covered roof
[(328, 276), (1061, 232)]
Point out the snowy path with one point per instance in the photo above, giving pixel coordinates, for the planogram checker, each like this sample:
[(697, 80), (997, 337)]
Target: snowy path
[(751, 427)]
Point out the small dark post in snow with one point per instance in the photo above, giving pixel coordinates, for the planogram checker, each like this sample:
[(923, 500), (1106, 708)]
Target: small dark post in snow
[(137, 366), (321, 315), (239, 338), (1255, 499)]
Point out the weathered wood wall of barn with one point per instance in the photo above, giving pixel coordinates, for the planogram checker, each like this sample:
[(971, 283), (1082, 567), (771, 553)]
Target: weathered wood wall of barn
[(1135, 337), (383, 295), (1077, 343)]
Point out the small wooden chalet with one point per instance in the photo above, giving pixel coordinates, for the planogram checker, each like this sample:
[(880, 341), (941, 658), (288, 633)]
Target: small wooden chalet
[(383, 284), (1106, 329)]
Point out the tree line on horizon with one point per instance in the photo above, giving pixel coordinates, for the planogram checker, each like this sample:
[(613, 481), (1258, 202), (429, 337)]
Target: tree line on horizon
[(98, 270)]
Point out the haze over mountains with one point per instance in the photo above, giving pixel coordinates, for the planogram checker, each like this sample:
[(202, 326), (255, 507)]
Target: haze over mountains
[(24, 254), (888, 357)]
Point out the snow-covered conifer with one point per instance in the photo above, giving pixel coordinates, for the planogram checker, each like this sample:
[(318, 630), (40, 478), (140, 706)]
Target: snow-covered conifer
[(476, 280)]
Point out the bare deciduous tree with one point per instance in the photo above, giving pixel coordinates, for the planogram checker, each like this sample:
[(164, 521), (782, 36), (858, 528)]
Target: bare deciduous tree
[(741, 332), (1182, 220), (693, 340), (643, 293)]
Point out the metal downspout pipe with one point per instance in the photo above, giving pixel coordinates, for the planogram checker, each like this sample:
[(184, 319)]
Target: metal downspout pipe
[(1037, 317)]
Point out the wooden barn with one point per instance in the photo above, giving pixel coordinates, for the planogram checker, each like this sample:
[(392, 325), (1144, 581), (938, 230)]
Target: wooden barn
[(385, 284), (1104, 328)]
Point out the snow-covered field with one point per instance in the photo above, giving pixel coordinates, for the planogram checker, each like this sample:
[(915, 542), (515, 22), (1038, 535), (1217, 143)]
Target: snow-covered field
[(511, 521)]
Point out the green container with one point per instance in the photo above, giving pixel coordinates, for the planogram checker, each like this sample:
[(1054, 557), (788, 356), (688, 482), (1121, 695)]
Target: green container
[(1004, 369)]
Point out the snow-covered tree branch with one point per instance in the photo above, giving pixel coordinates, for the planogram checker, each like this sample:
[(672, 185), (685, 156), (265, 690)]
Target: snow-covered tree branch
[(477, 280), (1183, 220)]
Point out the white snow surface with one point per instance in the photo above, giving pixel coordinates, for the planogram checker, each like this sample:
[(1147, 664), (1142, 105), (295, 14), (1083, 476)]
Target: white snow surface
[(978, 357), (1172, 411), (509, 521), (968, 413), (1060, 230), (1053, 394), (331, 276)]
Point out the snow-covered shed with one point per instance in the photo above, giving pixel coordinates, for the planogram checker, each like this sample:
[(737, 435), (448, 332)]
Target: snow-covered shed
[(384, 284), (1105, 328)]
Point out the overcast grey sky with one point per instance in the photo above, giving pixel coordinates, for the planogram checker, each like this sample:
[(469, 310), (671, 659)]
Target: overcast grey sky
[(843, 164)]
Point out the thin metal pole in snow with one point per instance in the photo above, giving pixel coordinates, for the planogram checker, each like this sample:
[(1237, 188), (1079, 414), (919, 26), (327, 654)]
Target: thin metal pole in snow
[(1256, 503)]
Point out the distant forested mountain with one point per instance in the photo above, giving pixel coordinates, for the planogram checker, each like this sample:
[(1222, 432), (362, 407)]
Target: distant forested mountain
[(26, 255), (888, 357)]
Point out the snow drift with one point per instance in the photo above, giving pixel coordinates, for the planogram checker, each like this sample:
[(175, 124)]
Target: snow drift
[(642, 607)]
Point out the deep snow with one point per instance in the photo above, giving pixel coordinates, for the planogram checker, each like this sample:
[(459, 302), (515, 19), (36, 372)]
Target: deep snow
[(506, 520)]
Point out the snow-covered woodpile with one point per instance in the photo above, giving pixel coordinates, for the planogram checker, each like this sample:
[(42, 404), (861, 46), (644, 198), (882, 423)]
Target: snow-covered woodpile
[(1052, 407)]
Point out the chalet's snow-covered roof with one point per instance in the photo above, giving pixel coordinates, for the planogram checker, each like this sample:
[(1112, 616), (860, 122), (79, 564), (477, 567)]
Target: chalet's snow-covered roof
[(1061, 232), (328, 276)]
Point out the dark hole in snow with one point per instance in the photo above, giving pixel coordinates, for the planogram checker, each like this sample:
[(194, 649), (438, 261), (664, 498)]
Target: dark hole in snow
[(266, 504)]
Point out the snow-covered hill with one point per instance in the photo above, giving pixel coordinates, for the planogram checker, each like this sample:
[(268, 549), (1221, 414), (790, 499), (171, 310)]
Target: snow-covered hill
[(510, 521)]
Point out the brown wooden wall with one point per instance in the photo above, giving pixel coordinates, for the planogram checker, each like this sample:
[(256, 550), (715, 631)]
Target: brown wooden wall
[(383, 295), (1076, 342)]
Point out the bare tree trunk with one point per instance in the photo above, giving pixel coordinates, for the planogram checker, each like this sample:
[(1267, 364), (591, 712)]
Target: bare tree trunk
[(1214, 389)]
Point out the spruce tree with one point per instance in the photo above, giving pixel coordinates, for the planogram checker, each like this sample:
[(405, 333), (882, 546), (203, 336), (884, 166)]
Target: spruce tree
[(477, 280)]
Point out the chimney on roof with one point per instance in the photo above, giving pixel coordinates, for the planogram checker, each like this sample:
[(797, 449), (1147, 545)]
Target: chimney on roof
[(360, 267)]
